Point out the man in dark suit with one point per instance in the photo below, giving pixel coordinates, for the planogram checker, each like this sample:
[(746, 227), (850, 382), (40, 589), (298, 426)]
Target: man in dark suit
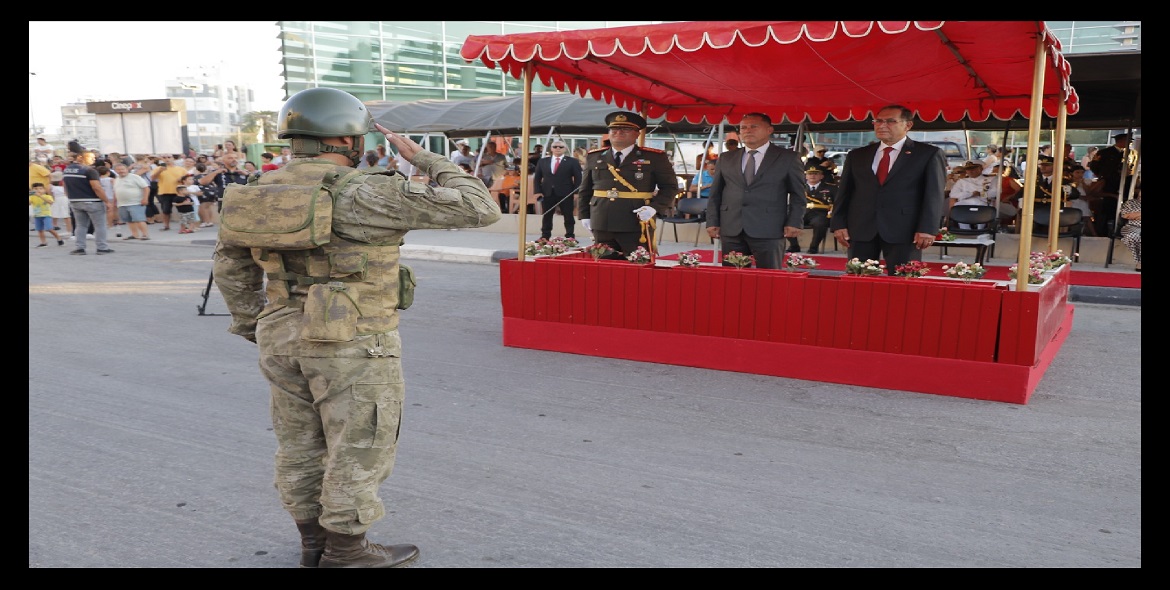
[(819, 195), (557, 176), (623, 186), (890, 195), (757, 197)]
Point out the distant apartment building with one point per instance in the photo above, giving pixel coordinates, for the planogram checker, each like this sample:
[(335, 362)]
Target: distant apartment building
[(215, 111)]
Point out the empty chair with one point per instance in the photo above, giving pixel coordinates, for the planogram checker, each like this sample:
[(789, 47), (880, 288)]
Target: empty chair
[(972, 220), (687, 210), (1071, 225)]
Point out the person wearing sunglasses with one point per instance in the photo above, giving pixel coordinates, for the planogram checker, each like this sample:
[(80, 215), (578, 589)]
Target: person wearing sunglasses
[(556, 179)]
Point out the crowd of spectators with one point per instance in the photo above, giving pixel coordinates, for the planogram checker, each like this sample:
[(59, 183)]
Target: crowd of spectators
[(202, 178)]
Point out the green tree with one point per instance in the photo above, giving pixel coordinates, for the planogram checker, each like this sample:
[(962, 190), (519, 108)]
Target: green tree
[(256, 121)]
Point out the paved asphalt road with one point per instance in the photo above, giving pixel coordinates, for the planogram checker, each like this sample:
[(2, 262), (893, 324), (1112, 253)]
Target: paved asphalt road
[(150, 445)]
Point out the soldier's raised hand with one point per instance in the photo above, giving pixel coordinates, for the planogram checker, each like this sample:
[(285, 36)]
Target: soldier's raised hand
[(407, 147)]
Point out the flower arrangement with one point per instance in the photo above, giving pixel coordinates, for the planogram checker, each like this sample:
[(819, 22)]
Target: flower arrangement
[(739, 259), (965, 272), (945, 234), (599, 250), (912, 269), (639, 256), (1035, 273), (549, 247), (689, 260), (794, 261), (1051, 261), (543, 247), (869, 268)]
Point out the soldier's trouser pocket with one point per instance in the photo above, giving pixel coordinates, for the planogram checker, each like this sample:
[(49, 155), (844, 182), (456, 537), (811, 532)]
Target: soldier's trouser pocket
[(331, 313)]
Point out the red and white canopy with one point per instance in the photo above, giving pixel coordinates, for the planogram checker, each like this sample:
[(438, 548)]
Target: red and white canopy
[(790, 70)]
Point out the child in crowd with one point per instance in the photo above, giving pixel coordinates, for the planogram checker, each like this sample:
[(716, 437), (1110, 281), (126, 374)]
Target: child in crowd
[(62, 216), (185, 205), (196, 191), (267, 163), (106, 178), (42, 202)]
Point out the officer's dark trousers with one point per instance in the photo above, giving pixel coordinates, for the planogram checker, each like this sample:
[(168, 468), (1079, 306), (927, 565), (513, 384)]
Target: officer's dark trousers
[(818, 220), (551, 205), (624, 243)]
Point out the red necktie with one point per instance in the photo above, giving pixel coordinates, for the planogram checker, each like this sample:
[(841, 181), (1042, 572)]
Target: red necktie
[(884, 165), (556, 162)]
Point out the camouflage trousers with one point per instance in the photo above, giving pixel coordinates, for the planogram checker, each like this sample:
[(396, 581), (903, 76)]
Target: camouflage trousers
[(336, 422)]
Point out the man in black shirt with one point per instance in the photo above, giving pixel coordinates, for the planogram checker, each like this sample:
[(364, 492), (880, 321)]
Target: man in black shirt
[(88, 200)]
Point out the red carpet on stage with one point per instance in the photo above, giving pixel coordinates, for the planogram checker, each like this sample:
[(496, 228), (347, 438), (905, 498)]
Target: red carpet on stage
[(1087, 278)]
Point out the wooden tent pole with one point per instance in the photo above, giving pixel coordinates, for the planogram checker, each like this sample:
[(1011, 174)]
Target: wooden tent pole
[(1023, 258), (529, 68)]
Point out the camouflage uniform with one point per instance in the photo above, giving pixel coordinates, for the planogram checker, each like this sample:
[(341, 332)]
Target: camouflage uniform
[(337, 397)]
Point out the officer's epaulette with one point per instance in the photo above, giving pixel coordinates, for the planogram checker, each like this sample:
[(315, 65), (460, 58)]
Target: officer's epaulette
[(600, 149), (652, 150)]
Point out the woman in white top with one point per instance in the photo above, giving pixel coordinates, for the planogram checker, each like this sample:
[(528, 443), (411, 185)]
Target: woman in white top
[(62, 217)]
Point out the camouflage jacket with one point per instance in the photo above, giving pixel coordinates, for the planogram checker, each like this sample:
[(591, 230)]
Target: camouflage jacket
[(375, 210)]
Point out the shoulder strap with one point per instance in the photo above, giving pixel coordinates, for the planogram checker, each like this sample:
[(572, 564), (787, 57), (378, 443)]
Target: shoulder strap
[(336, 181)]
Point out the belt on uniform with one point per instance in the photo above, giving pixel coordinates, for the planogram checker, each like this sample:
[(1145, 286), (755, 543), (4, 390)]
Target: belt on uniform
[(623, 195)]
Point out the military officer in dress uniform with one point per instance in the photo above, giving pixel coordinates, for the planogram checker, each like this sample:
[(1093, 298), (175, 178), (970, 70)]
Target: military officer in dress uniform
[(624, 186), (1044, 181), (820, 195)]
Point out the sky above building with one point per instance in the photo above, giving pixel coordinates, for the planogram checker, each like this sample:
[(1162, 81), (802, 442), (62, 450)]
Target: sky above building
[(71, 62)]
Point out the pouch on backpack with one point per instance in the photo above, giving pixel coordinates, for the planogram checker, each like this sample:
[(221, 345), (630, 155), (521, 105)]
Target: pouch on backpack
[(406, 285)]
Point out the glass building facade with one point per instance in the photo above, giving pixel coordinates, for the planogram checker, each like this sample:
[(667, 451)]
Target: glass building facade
[(403, 60)]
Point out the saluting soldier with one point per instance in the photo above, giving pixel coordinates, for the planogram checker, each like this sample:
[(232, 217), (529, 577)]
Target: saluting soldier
[(820, 195), (624, 186)]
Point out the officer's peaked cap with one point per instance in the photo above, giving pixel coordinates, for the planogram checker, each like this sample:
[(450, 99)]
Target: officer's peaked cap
[(625, 119)]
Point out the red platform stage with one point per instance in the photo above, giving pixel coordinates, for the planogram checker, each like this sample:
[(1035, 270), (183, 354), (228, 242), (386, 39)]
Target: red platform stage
[(980, 341)]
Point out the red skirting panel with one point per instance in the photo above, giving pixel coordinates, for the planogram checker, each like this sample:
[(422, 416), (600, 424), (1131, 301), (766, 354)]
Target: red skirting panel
[(952, 377), (914, 335)]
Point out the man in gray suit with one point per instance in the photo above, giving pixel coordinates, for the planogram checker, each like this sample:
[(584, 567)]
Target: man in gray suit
[(891, 193), (757, 196)]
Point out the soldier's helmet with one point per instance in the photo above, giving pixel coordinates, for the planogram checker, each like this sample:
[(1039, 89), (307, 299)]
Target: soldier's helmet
[(324, 112)]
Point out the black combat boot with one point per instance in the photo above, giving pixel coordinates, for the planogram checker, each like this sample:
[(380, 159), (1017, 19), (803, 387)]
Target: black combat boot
[(355, 551), (312, 542)]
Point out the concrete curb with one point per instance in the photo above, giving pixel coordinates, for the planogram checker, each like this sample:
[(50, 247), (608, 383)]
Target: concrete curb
[(1106, 295)]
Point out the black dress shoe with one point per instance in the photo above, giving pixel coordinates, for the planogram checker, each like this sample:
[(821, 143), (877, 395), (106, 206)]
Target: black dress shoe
[(813, 251), (793, 249)]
